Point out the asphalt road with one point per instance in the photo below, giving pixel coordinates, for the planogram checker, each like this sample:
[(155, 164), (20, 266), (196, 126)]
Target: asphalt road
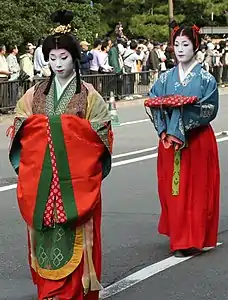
[(130, 215)]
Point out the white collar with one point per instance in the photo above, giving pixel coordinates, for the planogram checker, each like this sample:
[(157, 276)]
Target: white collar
[(60, 89), (183, 74)]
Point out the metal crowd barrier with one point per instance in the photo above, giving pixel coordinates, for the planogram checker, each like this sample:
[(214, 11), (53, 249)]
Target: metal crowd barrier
[(123, 86)]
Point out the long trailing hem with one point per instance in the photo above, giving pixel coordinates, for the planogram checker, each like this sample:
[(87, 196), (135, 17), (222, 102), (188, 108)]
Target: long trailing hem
[(71, 287), (62, 258), (80, 279), (191, 218)]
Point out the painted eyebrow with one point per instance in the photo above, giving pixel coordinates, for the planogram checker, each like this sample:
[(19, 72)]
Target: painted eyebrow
[(63, 53), (185, 41)]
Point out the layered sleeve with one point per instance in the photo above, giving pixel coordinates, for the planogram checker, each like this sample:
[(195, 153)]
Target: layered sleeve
[(205, 110), (200, 114), (100, 120), (159, 117), (23, 111)]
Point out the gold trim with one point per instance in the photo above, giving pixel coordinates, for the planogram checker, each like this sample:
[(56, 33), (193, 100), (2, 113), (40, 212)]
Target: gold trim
[(69, 268), (61, 29)]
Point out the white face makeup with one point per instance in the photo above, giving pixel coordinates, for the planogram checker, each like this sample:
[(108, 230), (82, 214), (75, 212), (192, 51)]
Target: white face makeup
[(183, 49), (61, 62)]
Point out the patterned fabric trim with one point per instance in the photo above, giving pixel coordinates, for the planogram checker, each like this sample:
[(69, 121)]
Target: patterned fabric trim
[(191, 125), (14, 146), (207, 110), (68, 268), (176, 173), (75, 105), (104, 132), (63, 101), (54, 211)]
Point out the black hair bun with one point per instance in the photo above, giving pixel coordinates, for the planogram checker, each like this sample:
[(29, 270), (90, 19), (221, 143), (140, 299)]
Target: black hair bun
[(173, 24), (64, 17), (200, 22)]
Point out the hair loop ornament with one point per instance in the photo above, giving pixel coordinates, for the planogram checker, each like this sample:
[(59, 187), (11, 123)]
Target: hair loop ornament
[(196, 31), (175, 29), (196, 28)]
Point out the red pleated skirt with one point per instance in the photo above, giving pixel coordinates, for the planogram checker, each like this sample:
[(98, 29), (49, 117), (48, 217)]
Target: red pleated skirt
[(191, 218), (71, 288)]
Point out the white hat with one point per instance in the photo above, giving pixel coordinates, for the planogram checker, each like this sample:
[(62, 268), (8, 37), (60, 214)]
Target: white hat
[(84, 43), (31, 46)]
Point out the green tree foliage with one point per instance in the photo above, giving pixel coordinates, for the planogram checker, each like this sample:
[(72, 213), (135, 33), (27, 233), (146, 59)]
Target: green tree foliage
[(200, 11), (149, 18), (23, 21)]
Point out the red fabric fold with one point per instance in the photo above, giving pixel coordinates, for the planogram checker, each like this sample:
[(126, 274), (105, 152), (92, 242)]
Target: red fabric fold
[(191, 218)]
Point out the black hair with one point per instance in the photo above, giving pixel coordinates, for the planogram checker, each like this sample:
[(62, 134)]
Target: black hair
[(97, 43), (122, 41), (222, 44), (189, 31), (41, 41), (156, 44), (11, 48), (202, 47), (104, 45), (107, 38), (141, 41), (63, 41), (133, 45)]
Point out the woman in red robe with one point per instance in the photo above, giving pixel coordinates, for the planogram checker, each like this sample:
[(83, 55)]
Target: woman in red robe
[(183, 102), (61, 150)]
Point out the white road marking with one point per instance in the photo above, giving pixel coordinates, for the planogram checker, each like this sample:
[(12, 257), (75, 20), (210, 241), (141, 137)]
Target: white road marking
[(144, 274), (8, 187), (134, 152), (221, 133), (133, 160), (134, 122), (142, 158), (124, 162), (222, 139), (155, 148)]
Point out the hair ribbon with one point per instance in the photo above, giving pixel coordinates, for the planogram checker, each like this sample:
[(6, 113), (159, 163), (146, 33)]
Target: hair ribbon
[(196, 31)]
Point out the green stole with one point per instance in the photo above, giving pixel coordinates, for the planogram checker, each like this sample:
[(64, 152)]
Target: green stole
[(55, 245)]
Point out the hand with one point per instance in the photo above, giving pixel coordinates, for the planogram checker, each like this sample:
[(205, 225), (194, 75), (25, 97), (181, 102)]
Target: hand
[(169, 140)]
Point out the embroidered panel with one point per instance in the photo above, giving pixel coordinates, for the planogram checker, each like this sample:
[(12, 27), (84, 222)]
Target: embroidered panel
[(192, 124), (70, 102), (207, 110)]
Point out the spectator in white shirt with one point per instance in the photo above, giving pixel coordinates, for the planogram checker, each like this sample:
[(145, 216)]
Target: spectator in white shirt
[(40, 65), (105, 67), (4, 74), (96, 62), (14, 69), (13, 64), (4, 68), (130, 57)]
